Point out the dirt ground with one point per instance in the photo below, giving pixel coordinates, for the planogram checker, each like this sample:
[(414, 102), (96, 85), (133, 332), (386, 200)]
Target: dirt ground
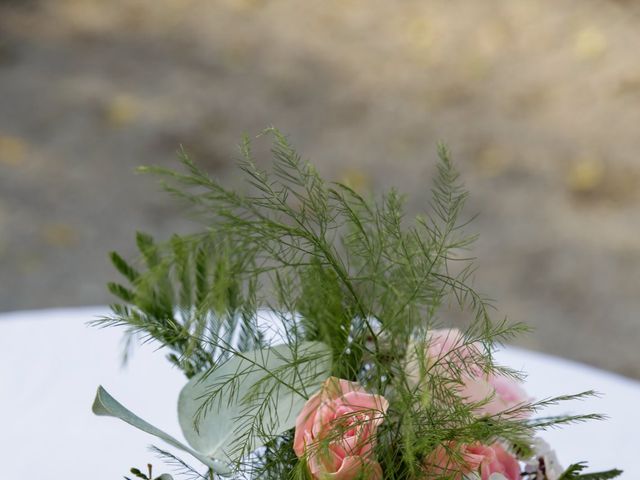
[(539, 102)]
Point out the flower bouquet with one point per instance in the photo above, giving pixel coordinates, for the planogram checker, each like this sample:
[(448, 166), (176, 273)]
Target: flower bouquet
[(310, 324)]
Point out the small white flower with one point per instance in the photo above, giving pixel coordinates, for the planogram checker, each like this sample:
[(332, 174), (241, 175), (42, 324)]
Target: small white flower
[(546, 459)]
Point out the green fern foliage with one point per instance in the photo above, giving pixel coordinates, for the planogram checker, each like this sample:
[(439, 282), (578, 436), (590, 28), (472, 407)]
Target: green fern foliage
[(573, 472)]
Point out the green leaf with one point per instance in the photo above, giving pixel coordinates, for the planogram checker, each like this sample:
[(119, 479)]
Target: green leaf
[(236, 407), (105, 405), (573, 472), (148, 248), (138, 473), (601, 475), (123, 267), (121, 292)]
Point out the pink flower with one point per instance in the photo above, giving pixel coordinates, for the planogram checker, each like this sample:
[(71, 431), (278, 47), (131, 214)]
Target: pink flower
[(456, 461), (336, 431), (448, 351), (449, 355), (446, 355), (452, 461), (495, 459), (500, 393)]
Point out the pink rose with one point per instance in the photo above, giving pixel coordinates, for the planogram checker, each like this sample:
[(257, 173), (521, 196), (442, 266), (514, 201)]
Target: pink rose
[(501, 394), (456, 461), (449, 355), (452, 461), (446, 354), (443, 341), (336, 431), (495, 459), (448, 351)]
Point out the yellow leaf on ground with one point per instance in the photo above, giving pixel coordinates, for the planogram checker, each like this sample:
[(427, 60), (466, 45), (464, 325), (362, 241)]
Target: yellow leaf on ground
[(589, 43), (121, 110), (421, 33), (59, 235), (586, 175), (12, 150), (493, 160), (357, 180)]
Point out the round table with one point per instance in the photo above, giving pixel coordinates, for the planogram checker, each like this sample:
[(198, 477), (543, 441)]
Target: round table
[(51, 363)]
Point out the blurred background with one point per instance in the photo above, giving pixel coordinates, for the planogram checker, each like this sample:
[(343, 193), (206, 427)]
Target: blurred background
[(539, 102)]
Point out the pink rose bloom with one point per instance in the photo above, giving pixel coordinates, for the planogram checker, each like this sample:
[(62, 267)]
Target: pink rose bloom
[(495, 459), (451, 461), (503, 393), (336, 431), (474, 458), (448, 352)]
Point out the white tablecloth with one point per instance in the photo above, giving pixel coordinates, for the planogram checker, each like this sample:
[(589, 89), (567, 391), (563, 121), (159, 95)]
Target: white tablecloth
[(51, 364)]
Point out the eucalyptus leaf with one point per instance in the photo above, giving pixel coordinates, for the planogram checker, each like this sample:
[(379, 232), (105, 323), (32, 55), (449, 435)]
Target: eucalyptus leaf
[(105, 405), (233, 409)]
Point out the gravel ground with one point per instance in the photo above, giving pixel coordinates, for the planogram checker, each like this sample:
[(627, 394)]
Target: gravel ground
[(539, 102)]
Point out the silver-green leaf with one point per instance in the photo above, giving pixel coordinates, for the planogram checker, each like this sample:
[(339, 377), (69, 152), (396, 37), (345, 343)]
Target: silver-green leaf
[(233, 409), (105, 404)]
